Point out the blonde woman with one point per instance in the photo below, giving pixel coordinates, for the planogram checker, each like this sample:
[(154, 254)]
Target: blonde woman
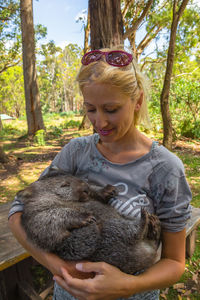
[(148, 176)]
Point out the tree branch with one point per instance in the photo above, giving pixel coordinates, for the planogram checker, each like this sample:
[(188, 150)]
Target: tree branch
[(6, 66), (148, 38), (139, 20), (128, 3)]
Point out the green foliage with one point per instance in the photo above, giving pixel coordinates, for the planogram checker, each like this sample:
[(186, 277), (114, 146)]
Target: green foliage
[(10, 45), (57, 80), (9, 129), (39, 137), (12, 99), (71, 124), (55, 131), (190, 129), (185, 106), (68, 113)]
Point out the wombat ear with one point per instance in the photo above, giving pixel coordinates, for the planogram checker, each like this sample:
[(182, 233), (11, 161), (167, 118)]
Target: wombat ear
[(65, 183), (25, 193)]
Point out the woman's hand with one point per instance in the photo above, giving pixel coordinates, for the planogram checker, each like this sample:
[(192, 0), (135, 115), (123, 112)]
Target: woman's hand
[(55, 264), (108, 282)]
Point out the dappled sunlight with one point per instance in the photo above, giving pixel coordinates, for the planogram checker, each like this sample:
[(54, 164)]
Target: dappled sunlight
[(26, 174), (188, 145)]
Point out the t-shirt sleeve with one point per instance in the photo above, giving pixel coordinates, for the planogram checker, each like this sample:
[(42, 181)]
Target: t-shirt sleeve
[(64, 161), (172, 194), (16, 206)]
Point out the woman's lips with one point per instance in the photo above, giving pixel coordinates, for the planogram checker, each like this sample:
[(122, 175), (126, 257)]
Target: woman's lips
[(105, 132)]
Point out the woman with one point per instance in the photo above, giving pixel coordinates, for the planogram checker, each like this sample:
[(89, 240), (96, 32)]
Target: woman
[(148, 175)]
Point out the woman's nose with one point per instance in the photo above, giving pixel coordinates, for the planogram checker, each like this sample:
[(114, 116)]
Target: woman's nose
[(100, 120)]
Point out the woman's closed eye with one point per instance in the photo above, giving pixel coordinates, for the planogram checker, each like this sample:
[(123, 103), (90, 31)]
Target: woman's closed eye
[(111, 111), (91, 110)]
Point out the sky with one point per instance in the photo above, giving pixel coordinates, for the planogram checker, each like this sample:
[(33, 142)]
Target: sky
[(59, 16)]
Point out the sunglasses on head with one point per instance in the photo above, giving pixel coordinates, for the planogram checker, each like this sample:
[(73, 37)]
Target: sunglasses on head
[(117, 58)]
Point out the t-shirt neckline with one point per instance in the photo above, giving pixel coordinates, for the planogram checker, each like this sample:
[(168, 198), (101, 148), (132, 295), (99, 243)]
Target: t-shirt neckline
[(143, 157)]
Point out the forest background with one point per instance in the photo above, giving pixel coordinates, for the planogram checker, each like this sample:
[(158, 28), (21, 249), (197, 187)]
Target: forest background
[(57, 68), (145, 22)]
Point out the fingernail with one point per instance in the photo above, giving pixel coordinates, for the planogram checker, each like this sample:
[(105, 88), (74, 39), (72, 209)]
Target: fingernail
[(79, 267)]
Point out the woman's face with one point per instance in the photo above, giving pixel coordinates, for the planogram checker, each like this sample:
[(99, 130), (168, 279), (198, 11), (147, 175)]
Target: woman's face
[(110, 112)]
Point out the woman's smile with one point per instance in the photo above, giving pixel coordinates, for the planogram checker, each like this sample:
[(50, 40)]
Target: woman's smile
[(105, 132)]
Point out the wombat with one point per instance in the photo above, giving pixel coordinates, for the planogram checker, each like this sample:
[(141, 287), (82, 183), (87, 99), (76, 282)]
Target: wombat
[(71, 218)]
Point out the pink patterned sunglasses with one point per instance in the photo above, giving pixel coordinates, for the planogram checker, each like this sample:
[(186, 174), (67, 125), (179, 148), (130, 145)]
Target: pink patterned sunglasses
[(117, 58)]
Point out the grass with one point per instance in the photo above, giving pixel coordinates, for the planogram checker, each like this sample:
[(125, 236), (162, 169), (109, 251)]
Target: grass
[(27, 159)]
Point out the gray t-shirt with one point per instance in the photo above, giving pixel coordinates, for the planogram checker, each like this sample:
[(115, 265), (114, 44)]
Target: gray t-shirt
[(155, 181)]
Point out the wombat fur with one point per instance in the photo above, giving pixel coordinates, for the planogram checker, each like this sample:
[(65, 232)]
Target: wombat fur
[(71, 218)]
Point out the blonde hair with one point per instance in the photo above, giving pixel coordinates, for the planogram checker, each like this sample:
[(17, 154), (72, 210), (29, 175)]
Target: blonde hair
[(128, 79)]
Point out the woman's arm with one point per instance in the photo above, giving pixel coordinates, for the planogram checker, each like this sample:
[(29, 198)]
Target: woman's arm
[(110, 283), (52, 262)]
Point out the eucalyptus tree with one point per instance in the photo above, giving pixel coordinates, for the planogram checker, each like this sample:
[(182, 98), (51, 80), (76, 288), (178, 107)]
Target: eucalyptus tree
[(106, 23), (10, 46), (178, 9), (106, 28), (12, 92), (9, 43), (33, 107), (49, 76), (57, 77)]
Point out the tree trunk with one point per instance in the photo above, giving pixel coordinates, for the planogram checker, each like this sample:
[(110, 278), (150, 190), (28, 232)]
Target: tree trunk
[(86, 34), (106, 28), (1, 125), (164, 99), (33, 108), (3, 157), (106, 23)]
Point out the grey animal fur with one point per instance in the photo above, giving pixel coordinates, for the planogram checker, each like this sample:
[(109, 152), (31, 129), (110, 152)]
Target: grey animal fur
[(71, 218)]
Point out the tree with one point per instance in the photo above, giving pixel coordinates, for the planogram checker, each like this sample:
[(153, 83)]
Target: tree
[(106, 23), (10, 46), (150, 15), (3, 157), (33, 108), (106, 28), (164, 98), (12, 92)]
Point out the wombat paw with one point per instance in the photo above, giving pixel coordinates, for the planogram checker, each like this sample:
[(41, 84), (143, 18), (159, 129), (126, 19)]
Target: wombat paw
[(89, 220), (65, 183), (154, 227), (108, 192)]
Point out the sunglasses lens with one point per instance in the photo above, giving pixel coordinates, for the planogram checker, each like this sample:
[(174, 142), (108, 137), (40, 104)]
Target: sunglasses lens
[(90, 57), (119, 58)]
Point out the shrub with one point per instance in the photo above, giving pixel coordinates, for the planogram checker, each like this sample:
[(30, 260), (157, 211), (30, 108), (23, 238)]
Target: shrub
[(190, 129), (55, 131), (71, 124), (39, 137)]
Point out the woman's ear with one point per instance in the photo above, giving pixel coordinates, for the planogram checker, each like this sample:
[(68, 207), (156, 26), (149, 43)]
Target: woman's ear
[(139, 102)]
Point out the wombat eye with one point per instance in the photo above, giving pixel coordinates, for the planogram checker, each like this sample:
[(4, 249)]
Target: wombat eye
[(85, 192)]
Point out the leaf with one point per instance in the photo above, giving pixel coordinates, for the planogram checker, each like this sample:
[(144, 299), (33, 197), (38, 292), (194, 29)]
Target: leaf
[(187, 293), (163, 296), (179, 297), (195, 278), (179, 286)]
